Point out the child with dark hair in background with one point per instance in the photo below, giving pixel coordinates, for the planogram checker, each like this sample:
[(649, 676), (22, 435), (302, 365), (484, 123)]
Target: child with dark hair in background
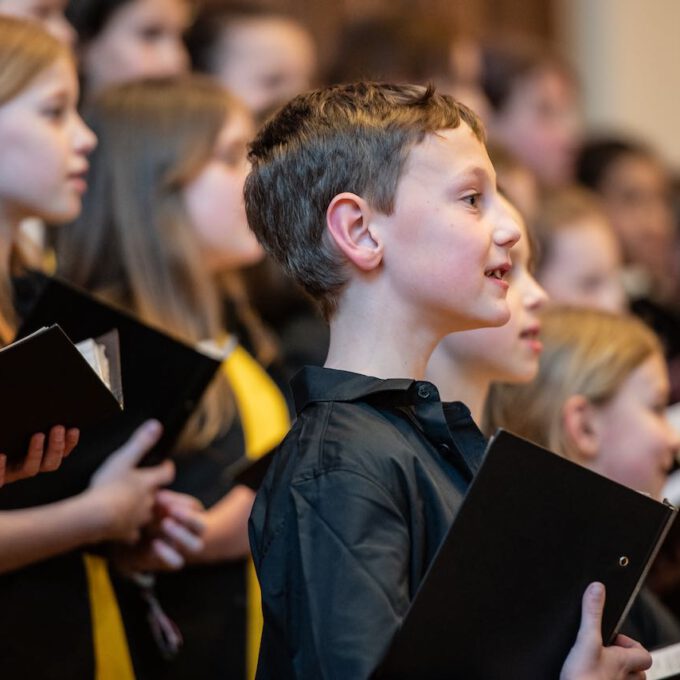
[(578, 256), (121, 40), (533, 108), (262, 56)]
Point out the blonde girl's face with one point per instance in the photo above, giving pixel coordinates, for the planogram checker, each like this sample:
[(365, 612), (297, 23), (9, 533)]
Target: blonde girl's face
[(636, 443), (142, 39), (44, 145), (214, 200), (48, 13), (508, 353)]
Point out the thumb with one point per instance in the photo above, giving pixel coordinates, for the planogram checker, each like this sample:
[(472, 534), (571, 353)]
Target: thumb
[(159, 475), (139, 444), (592, 607)]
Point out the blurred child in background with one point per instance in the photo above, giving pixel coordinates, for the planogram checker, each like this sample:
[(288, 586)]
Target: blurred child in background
[(600, 400), (121, 40), (263, 57), (48, 13), (45, 148), (533, 108), (579, 258), (163, 216)]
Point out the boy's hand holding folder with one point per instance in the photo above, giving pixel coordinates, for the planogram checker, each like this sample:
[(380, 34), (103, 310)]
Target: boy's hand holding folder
[(501, 597)]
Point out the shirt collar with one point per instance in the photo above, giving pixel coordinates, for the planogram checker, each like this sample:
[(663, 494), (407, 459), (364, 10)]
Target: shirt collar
[(435, 420), (316, 384)]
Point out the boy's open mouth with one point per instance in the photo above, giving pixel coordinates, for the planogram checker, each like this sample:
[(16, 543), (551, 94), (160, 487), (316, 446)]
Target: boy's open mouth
[(497, 272)]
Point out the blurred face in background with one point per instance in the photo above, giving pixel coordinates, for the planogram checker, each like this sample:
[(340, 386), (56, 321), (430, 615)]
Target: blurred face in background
[(265, 62), (636, 197), (44, 146), (141, 39), (48, 13), (540, 124), (214, 199), (636, 445), (583, 267)]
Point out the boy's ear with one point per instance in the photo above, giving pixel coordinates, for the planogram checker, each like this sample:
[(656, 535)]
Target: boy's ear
[(580, 426), (348, 219)]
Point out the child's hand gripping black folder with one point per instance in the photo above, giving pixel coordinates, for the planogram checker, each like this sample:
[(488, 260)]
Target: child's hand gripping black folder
[(162, 378), (46, 381), (502, 598)]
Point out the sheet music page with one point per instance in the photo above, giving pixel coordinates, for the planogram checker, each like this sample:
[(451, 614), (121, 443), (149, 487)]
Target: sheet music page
[(665, 664)]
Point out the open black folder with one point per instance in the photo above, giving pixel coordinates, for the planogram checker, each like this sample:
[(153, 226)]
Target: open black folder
[(162, 378), (502, 597), (47, 381)]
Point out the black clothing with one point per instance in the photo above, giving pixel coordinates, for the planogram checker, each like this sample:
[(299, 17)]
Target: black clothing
[(353, 508), (206, 601), (45, 626)]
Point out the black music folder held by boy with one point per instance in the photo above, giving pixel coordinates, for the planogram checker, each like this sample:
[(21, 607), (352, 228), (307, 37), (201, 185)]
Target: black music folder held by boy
[(500, 599), (162, 378)]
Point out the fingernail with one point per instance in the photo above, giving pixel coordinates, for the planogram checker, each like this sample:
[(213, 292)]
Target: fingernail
[(596, 590), (153, 427)]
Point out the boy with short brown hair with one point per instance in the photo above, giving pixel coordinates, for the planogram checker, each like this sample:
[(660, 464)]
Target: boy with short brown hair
[(381, 201)]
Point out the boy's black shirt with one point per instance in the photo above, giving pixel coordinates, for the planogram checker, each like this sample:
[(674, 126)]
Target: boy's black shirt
[(353, 508)]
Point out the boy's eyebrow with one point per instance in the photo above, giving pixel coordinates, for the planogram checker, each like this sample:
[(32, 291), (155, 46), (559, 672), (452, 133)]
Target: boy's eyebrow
[(474, 173)]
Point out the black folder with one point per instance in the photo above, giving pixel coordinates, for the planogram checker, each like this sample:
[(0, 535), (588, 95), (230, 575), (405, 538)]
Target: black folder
[(45, 382), (162, 378), (502, 597)]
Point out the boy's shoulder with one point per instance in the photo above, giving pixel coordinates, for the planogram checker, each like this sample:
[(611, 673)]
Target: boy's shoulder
[(352, 422)]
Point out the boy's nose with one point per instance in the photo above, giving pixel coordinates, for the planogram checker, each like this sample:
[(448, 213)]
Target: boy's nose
[(506, 233)]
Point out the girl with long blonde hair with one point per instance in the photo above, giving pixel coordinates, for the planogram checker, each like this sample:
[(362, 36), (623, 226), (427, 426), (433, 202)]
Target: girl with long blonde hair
[(45, 146)]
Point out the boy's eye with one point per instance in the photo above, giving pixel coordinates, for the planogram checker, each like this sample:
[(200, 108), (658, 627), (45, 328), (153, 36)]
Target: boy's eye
[(473, 200), (55, 113)]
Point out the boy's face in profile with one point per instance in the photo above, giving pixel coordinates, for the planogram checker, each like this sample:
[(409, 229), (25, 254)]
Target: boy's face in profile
[(445, 249)]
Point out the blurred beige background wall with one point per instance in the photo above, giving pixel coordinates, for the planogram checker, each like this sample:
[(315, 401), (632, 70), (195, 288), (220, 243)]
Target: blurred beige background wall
[(627, 53)]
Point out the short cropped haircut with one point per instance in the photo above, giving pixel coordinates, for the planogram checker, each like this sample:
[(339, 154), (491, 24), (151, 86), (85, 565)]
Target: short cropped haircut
[(354, 138)]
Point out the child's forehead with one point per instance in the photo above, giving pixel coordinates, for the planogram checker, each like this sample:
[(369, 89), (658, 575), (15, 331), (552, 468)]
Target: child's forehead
[(453, 151)]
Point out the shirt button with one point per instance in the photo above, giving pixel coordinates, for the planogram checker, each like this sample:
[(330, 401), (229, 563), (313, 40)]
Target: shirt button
[(423, 391), (445, 448)]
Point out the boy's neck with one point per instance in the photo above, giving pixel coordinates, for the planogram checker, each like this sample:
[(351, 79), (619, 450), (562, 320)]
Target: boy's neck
[(458, 381), (372, 335)]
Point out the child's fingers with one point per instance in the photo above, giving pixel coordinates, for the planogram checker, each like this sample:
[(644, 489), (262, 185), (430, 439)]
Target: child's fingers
[(56, 445), (592, 607), (169, 499), (31, 465), (159, 475), (625, 641), (182, 537), (192, 520), (72, 439), (170, 557), (139, 444)]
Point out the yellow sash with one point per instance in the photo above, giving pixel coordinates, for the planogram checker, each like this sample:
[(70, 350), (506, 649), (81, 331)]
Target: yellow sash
[(265, 421)]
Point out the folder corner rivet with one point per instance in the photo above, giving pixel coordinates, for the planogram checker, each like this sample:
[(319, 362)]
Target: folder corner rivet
[(624, 561)]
